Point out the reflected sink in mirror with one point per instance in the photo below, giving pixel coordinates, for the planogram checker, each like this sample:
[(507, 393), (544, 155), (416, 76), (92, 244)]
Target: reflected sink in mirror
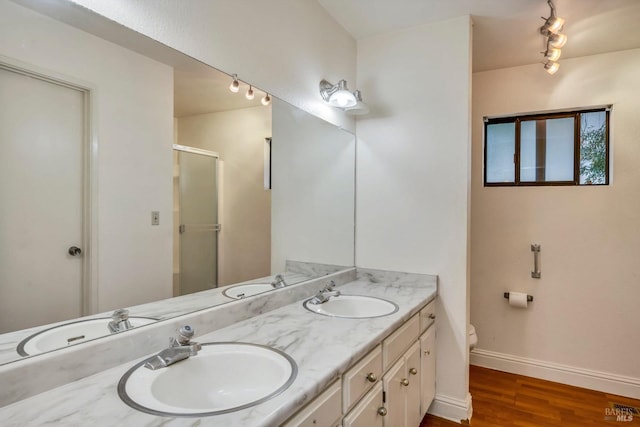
[(72, 333), (222, 377), (243, 291), (352, 306)]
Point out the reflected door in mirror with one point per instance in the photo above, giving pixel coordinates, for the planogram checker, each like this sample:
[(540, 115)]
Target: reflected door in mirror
[(196, 173), (41, 212)]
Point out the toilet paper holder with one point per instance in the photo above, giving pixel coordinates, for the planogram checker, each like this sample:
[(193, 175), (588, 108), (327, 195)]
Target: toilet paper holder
[(529, 297)]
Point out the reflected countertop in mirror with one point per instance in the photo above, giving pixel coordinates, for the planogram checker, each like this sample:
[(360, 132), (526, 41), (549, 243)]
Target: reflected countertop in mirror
[(295, 273)]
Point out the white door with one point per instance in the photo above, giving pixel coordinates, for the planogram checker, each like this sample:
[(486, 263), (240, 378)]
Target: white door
[(41, 195)]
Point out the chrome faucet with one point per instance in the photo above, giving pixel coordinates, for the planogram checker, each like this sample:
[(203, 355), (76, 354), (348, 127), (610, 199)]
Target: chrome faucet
[(278, 282), (179, 349), (119, 321), (325, 294)]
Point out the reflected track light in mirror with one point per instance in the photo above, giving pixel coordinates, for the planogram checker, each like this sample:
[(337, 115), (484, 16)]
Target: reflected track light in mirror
[(235, 84), (337, 95), (266, 99), (249, 95)]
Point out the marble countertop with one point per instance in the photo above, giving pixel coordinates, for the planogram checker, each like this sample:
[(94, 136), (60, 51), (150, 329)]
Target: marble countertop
[(323, 348)]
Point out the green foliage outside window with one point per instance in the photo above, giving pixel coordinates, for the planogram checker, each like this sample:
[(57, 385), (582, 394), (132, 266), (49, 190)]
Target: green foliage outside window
[(593, 155)]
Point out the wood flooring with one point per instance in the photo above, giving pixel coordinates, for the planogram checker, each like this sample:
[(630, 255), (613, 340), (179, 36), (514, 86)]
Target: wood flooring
[(501, 399)]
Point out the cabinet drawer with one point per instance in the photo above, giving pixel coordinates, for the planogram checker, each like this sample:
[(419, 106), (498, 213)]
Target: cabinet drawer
[(361, 377), (399, 341), (369, 412), (324, 410), (427, 316)]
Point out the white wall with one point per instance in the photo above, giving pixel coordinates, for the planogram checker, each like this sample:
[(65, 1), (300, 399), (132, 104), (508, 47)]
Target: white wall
[(133, 105), (313, 181), (244, 205), (413, 177), (582, 327), (283, 46)]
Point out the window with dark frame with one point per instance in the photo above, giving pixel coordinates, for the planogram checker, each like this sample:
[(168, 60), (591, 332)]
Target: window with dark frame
[(563, 148)]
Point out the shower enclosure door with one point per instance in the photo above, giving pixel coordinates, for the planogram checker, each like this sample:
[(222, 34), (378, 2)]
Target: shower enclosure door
[(198, 227)]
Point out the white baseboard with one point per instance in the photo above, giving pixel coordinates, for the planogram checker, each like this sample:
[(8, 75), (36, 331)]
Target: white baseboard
[(452, 409), (585, 378)]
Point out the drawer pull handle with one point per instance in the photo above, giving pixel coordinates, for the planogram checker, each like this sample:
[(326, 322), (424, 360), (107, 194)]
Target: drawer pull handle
[(371, 377), (405, 382), (382, 411), (413, 371), (427, 352), (432, 316)]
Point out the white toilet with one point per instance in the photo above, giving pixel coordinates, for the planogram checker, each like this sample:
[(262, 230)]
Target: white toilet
[(473, 338)]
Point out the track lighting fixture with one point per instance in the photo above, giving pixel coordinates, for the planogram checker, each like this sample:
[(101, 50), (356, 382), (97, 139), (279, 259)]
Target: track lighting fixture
[(266, 99), (557, 40), (337, 95), (551, 67), (249, 95), (554, 39), (552, 53), (235, 84)]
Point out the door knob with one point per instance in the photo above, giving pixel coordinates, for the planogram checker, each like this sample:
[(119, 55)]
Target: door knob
[(382, 411), (405, 382), (75, 251)]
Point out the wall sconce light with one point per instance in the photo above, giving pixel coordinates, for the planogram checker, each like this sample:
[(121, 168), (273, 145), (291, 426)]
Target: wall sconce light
[(249, 95), (337, 95), (360, 108), (551, 30), (235, 84), (266, 99)]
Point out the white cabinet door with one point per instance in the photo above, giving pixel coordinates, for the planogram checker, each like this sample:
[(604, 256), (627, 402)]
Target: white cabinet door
[(412, 362), (395, 395), (370, 412), (428, 373)]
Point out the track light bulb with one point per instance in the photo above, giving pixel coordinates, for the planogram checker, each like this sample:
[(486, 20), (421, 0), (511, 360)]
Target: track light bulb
[(553, 25), (235, 84), (266, 99), (551, 67), (249, 94), (557, 40), (553, 54)]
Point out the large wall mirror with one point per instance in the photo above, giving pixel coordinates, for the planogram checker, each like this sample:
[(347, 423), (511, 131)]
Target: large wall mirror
[(133, 178)]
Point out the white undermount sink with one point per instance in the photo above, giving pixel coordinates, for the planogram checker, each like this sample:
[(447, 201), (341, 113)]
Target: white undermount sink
[(71, 333), (221, 378), (243, 291), (352, 306)]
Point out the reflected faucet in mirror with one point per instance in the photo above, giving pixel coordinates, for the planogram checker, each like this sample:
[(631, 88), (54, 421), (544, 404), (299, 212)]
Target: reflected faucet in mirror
[(119, 321), (279, 282)]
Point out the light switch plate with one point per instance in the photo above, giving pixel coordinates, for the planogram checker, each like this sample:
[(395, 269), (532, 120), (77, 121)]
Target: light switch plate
[(155, 218)]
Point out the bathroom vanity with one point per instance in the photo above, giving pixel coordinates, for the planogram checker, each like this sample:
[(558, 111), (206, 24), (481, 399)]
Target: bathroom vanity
[(350, 371)]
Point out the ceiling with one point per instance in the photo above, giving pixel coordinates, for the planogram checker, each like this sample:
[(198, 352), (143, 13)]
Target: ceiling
[(505, 32)]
